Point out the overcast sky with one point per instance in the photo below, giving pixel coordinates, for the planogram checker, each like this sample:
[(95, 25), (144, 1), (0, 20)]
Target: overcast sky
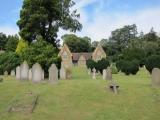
[(98, 17)]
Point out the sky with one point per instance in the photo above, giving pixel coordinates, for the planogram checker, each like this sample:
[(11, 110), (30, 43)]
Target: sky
[(98, 17)]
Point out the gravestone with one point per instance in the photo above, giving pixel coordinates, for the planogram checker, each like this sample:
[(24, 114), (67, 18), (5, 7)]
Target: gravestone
[(104, 74), (156, 77), (89, 71), (12, 73), (24, 71), (53, 74), (62, 73), (6, 73), (18, 76), (36, 73), (30, 74), (94, 74), (42, 74), (113, 87), (109, 74)]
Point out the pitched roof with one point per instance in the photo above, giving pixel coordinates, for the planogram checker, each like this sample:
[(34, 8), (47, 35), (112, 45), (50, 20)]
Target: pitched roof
[(76, 56), (99, 47), (64, 48)]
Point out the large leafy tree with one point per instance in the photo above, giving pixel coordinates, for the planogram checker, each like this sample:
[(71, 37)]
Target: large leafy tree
[(121, 37), (77, 44), (45, 17)]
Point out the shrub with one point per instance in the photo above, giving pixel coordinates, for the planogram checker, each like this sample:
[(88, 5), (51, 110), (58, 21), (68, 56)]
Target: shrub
[(43, 53), (128, 67), (152, 62), (9, 61), (91, 64), (114, 69), (102, 64), (21, 47)]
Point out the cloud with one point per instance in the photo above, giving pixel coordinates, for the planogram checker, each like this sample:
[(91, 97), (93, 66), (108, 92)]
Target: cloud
[(9, 30)]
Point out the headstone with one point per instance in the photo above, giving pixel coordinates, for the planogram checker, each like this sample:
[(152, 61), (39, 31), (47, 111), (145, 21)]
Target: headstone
[(109, 74), (6, 73), (24, 71), (104, 74), (12, 73), (156, 77), (18, 76), (30, 74), (53, 74), (42, 74), (89, 71), (94, 74), (36, 73), (114, 87), (62, 73), (68, 73)]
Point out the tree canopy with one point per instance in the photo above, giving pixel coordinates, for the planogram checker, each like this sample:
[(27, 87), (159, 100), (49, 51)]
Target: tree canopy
[(45, 17)]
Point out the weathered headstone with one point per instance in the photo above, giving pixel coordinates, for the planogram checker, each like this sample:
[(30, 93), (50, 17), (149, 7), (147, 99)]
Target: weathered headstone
[(42, 74), (24, 71), (156, 77), (104, 74), (113, 86), (53, 74), (109, 74), (6, 73), (36, 73), (30, 74), (89, 71), (62, 73), (94, 74), (68, 73), (12, 73), (18, 76)]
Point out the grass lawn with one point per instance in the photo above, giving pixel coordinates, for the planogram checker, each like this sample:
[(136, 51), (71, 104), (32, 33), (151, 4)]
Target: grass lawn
[(85, 99)]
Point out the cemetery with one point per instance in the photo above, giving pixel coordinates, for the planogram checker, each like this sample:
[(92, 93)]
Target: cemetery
[(61, 63)]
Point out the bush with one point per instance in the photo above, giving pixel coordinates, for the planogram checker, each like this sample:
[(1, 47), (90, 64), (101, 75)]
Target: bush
[(91, 64), (9, 61), (128, 67), (102, 64), (152, 62), (43, 53), (99, 66), (114, 69)]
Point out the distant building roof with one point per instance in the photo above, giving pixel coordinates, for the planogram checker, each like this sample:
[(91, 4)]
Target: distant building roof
[(76, 56)]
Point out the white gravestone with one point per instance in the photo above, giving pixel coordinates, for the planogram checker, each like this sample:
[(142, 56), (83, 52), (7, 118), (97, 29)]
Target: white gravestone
[(18, 72), (24, 71), (53, 74), (36, 73)]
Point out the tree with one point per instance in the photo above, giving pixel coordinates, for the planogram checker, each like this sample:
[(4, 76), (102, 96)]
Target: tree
[(12, 42), (45, 17), (77, 44), (3, 41), (22, 45), (41, 52), (121, 37)]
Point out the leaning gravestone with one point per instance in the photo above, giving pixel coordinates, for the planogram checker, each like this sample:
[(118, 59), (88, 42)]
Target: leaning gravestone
[(53, 74), (18, 76), (62, 73), (156, 77), (36, 73), (12, 73), (24, 71), (109, 74), (94, 74), (30, 74), (104, 74)]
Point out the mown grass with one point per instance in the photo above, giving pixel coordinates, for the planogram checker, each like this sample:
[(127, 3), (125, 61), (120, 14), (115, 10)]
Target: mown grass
[(85, 99)]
